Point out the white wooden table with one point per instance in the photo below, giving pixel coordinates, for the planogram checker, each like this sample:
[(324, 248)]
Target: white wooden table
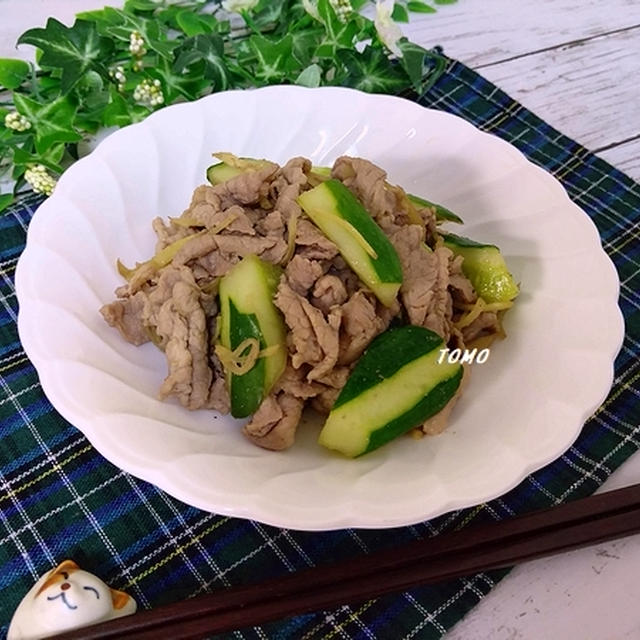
[(576, 63)]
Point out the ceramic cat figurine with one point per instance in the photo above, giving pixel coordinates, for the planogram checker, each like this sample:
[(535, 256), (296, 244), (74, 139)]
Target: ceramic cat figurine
[(66, 598)]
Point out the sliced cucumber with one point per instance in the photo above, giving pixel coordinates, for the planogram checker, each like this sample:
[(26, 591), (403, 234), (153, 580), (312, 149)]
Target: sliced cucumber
[(485, 267), (223, 171), (442, 213), (247, 313), (396, 385), (361, 242)]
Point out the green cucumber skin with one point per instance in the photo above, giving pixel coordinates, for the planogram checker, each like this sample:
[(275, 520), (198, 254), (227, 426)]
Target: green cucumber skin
[(390, 351), (246, 391), (485, 267), (396, 385), (431, 404), (387, 264), (247, 311), (464, 243), (221, 172), (442, 213)]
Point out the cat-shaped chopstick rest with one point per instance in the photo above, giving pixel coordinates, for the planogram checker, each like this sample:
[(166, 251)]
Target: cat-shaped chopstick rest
[(66, 598)]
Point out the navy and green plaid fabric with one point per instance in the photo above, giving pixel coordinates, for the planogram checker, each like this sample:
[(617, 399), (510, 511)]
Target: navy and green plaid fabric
[(60, 499)]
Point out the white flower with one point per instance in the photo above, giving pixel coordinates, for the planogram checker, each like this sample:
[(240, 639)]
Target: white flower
[(149, 93), (40, 179), (342, 8), (119, 76), (136, 44), (388, 31), (311, 9), (16, 121), (237, 6)]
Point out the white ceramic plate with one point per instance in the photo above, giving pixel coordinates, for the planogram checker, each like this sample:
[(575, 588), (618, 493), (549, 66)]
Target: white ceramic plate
[(522, 409)]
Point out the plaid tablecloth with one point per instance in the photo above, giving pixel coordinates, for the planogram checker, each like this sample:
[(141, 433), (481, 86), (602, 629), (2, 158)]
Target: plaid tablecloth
[(60, 499)]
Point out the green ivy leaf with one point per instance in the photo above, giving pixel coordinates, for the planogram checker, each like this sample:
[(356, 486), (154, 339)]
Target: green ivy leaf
[(120, 25), (269, 12), (5, 200), (50, 158), (120, 113), (208, 49), (140, 5), (74, 49), (305, 44), (421, 65), (338, 35), (370, 71), (413, 57), (164, 48), (274, 58), (52, 121), (193, 24), (13, 72), (420, 7), (310, 77), (400, 13), (100, 16), (189, 51), (176, 85), (92, 93)]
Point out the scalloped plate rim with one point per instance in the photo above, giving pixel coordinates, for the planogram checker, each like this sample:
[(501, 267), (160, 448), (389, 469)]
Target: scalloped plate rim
[(328, 518)]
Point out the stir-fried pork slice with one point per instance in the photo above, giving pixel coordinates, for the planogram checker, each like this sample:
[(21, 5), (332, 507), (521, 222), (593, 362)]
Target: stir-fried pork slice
[(428, 217), (424, 290), (219, 396), (328, 292), (324, 401), (438, 423), (233, 219), (182, 325), (135, 313), (168, 233), (204, 193), (273, 426), (158, 293), (296, 171), (485, 324), (276, 253), (360, 325), (349, 279), (288, 184), (142, 275), (302, 273), (234, 246), (197, 247), (214, 264), (312, 243), (368, 183), (332, 382), (126, 315), (460, 286), (313, 339), (295, 383), (271, 224), (248, 188)]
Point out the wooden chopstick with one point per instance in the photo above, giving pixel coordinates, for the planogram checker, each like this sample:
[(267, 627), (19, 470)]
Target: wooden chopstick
[(580, 523)]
